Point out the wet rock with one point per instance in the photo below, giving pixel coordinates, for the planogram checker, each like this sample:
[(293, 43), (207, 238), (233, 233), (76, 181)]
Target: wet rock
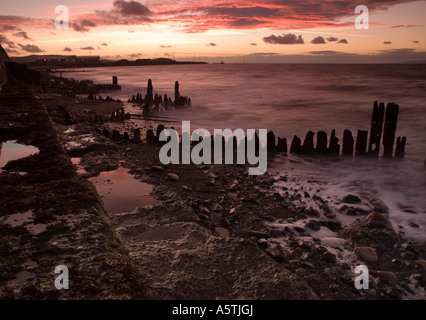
[(421, 263), (308, 265), (413, 225), (332, 225), (263, 243), (325, 209), (387, 277), (217, 207), (204, 209), (379, 206), (157, 168), (234, 185), (222, 232), (285, 179), (351, 212), (172, 177), (312, 212), (329, 257), (367, 253), (318, 198), (313, 225), (408, 255), (276, 252), (299, 229), (350, 198)]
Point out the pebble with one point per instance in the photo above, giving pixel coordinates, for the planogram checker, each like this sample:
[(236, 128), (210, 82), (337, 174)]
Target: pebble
[(387, 277), (318, 198), (234, 185), (422, 263), (413, 225), (366, 253), (217, 207), (157, 168), (409, 255), (332, 225), (329, 257), (172, 177), (276, 252), (313, 225), (350, 198), (330, 216), (222, 232), (299, 229), (351, 212), (308, 265), (312, 212), (204, 209)]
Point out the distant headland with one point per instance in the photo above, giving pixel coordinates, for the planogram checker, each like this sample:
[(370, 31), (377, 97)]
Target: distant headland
[(73, 61)]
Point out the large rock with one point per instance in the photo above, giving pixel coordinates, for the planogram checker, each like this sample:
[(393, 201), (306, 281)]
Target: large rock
[(372, 230)]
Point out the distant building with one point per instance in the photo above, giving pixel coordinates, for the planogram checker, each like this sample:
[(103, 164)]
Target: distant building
[(69, 60)]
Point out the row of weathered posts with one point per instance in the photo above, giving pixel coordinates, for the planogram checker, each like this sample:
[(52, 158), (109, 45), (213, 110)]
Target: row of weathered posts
[(382, 123), (383, 131), (153, 102)]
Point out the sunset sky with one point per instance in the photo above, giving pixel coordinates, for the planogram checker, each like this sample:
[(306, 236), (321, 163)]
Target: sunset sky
[(214, 30)]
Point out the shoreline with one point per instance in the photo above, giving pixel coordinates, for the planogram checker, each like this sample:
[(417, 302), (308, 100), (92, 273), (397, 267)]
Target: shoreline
[(213, 235)]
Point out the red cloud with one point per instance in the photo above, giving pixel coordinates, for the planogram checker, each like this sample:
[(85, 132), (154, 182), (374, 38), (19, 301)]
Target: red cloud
[(201, 15)]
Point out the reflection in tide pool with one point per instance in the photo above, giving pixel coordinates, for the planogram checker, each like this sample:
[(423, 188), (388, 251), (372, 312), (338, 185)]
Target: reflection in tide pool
[(121, 192), (11, 150)]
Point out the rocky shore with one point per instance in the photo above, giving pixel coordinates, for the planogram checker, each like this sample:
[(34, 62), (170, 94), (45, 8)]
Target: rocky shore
[(217, 233)]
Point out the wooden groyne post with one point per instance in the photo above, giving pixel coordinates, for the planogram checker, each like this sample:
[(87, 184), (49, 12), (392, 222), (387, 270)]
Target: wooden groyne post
[(391, 119)]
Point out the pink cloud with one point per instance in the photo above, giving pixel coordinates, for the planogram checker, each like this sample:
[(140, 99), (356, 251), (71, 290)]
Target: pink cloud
[(194, 16)]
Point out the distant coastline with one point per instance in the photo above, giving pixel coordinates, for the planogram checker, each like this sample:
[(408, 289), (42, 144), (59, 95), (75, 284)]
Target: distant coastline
[(59, 61)]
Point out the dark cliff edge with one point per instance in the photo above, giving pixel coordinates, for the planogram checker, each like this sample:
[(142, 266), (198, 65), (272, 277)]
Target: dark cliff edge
[(50, 216)]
